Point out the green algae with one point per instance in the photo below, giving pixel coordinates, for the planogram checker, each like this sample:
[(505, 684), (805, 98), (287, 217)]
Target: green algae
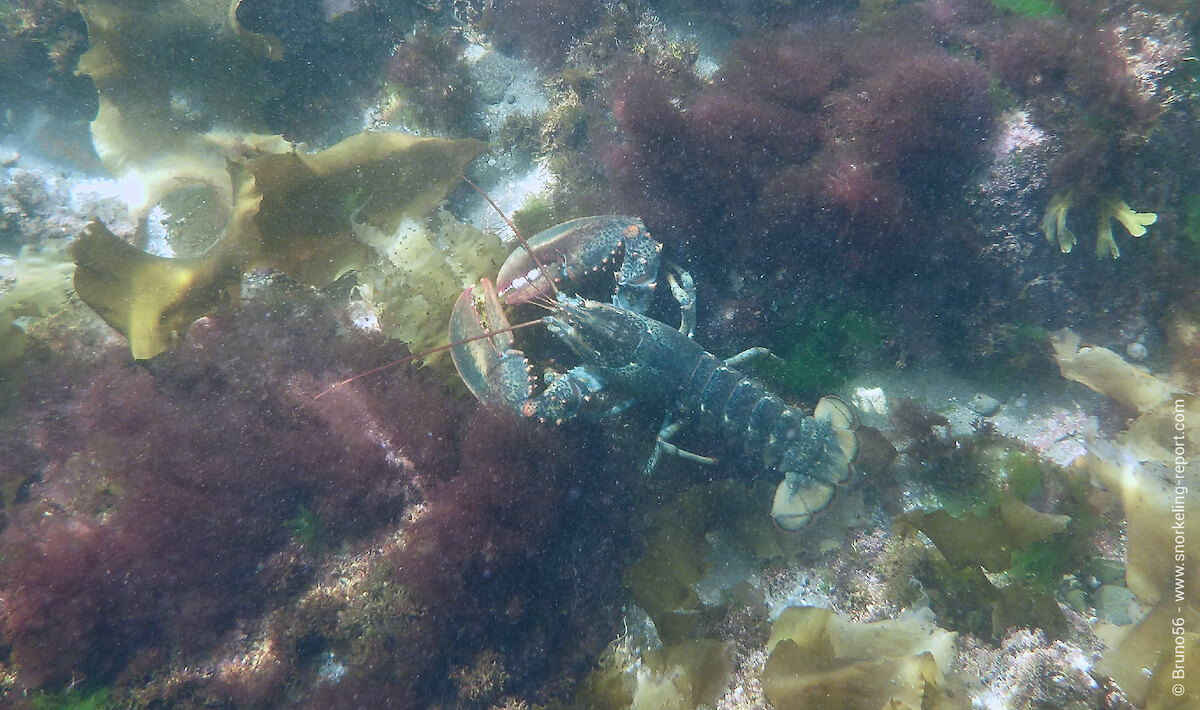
[(1043, 564), (1030, 8), (536, 215), (72, 700), (306, 529), (821, 348)]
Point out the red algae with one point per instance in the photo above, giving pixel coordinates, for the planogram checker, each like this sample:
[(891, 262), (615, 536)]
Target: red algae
[(183, 504), (799, 137), (147, 525)]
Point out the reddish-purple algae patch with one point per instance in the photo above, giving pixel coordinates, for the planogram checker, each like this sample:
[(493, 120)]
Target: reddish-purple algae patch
[(180, 505)]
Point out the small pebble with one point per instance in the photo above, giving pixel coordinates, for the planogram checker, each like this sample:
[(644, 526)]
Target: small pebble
[(1112, 604), (1077, 600), (1107, 571), (1136, 351), (984, 405)]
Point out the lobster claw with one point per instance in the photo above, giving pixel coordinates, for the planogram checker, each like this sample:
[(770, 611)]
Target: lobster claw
[(495, 372), (801, 496), (579, 247)]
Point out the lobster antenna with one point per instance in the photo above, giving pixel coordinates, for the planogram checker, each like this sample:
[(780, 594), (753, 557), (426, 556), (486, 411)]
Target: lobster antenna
[(425, 353), (520, 237)]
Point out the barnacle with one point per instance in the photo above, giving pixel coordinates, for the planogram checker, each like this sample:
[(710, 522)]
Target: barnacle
[(1054, 223)]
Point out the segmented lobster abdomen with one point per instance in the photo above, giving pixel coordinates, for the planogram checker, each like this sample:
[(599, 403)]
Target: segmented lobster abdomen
[(752, 417)]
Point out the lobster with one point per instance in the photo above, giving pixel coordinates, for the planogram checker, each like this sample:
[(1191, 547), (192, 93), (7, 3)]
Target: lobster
[(626, 356)]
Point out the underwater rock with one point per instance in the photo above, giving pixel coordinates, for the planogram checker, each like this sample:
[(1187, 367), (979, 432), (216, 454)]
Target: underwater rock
[(1112, 602), (431, 85), (1027, 670), (1099, 80), (542, 29), (984, 405), (1137, 351)]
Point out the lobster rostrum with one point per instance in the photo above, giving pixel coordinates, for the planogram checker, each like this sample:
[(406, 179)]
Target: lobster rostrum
[(626, 356)]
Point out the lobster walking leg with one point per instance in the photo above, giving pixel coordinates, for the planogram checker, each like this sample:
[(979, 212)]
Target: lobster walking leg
[(749, 354), (662, 442), (663, 445)]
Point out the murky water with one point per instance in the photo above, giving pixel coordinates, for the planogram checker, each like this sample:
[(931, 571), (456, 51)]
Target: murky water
[(965, 230)]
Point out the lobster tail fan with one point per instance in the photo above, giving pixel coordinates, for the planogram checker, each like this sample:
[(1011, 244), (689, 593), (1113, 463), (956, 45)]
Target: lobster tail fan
[(804, 494), (798, 501), (844, 420)]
